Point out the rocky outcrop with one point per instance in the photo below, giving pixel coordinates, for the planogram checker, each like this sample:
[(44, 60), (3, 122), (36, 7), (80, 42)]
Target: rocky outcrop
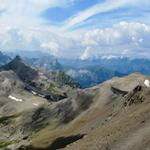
[(136, 96), (34, 81), (24, 72)]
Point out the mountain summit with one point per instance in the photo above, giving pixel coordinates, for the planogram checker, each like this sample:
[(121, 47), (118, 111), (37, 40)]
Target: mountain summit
[(25, 72), (52, 85)]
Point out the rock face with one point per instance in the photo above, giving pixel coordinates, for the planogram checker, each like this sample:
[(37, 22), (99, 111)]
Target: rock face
[(28, 104), (24, 72), (113, 115), (9, 82), (136, 96), (34, 81)]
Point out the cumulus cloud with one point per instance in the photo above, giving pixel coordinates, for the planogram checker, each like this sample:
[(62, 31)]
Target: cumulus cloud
[(52, 47), (17, 39), (123, 39), (22, 28), (119, 34)]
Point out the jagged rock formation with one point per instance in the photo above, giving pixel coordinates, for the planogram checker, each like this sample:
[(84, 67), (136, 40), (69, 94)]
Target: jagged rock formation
[(136, 96), (24, 72), (36, 82)]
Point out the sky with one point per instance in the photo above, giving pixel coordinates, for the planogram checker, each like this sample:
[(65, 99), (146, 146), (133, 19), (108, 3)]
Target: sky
[(77, 28)]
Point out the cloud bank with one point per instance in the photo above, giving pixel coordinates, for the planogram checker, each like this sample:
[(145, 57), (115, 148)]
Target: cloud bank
[(23, 28), (123, 39)]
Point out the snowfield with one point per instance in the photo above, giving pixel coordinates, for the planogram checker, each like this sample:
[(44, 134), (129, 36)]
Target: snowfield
[(147, 83), (15, 99)]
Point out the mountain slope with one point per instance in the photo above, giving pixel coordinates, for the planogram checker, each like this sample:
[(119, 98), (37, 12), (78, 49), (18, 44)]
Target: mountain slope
[(124, 129), (91, 76), (35, 81), (94, 71), (112, 115), (104, 118)]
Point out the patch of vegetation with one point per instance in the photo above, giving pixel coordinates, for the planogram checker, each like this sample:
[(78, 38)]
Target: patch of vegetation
[(5, 120), (64, 79), (51, 86), (54, 90), (6, 143)]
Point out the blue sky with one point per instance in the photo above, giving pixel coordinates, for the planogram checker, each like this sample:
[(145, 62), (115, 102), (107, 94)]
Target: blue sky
[(58, 15), (76, 28)]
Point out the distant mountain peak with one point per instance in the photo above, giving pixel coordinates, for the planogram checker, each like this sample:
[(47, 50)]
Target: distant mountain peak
[(45, 63), (17, 61), (17, 58), (24, 71)]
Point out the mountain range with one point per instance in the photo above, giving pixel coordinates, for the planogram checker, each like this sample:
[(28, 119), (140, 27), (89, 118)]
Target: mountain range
[(85, 73), (92, 72), (36, 115), (48, 86)]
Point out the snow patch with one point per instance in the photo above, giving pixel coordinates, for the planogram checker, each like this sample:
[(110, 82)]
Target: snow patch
[(15, 99), (147, 83), (35, 104), (34, 93)]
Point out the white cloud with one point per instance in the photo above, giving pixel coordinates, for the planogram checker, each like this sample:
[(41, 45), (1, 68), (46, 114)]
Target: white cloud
[(26, 13), (23, 29), (123, 39), (52, 47), (106, 6), (86, 54), (39, 5)]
